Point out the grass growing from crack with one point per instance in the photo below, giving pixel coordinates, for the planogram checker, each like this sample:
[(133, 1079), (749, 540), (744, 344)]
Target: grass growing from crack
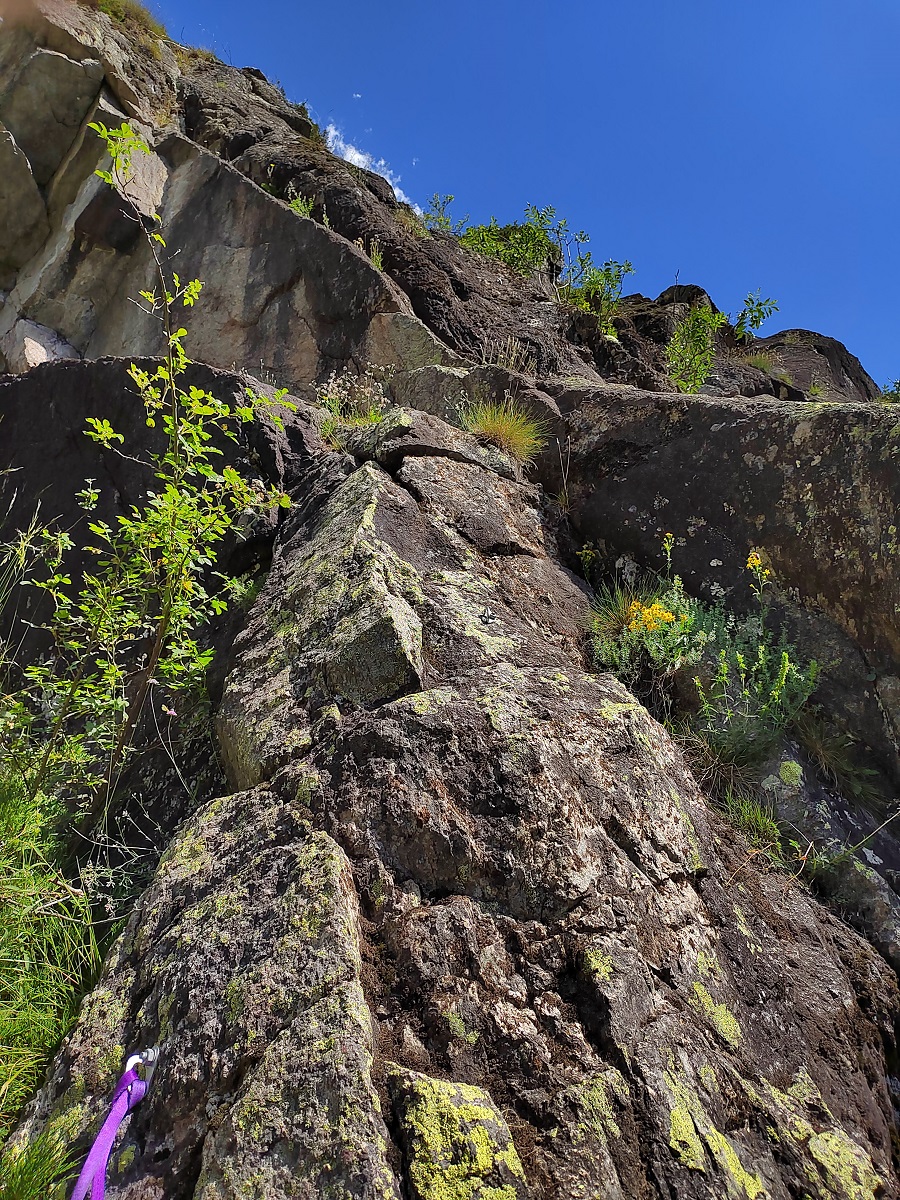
[(129, 13), (47, 945), (506, 425)]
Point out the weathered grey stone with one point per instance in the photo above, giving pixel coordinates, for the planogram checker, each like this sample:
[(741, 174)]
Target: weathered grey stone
[(45, 105), (24, 226), (27, 344), (344, 621), (242, 961), (402, 341)]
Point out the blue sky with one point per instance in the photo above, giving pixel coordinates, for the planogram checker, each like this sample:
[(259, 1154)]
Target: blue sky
[(745, 146)]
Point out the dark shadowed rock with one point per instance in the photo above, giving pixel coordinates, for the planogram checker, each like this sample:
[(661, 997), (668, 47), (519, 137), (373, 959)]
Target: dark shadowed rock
[(813, 485)]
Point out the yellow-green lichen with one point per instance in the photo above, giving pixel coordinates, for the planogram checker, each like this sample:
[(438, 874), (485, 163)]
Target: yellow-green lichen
[(684, 1141), (720, 1017), (611, 712), (695, 858), (847, 1168), (125, 1158), (707, 964), (425, 702), (593, 1100), (740, 1184), (726, 1156), (464, 598), (598, 965), (836, 1167), (790, 773), (458, 1145), (708, 1078), (458, 1028)]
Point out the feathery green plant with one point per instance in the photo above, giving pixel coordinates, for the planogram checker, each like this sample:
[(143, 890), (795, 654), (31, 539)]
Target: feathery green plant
[(39, 1171), (47, 945)]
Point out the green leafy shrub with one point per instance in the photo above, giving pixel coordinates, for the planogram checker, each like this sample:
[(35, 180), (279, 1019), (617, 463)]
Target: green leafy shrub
[(594, 289), (890, 393), (70, 722), (506, 425), (437, 216), (133, 624), (526, 247), (691, 349), (753, 315), (727, 687)]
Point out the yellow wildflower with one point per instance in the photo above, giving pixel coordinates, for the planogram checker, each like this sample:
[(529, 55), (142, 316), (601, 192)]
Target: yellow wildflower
[(648, 617)]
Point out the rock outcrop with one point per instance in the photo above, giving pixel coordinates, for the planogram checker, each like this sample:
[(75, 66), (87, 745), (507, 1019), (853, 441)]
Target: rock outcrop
[(460, 924)]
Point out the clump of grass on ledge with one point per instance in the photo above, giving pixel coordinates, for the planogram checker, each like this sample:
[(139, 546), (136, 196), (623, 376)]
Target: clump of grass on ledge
[(833, 754), (506, 425), (762, 362), (47, 946), (511, 355), (128, 12), (351, 400)]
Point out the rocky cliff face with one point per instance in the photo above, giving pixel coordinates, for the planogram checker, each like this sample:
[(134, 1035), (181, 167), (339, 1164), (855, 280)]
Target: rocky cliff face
[(458, 923)]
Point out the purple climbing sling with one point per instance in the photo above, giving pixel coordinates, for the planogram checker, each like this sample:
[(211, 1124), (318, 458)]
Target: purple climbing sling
[(130, 1091)]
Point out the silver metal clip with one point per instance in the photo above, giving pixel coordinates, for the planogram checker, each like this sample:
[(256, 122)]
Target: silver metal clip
[(147, 1059)]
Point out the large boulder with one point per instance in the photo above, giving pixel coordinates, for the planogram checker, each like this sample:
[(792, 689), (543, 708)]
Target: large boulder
[(815, 486), (465, 921)]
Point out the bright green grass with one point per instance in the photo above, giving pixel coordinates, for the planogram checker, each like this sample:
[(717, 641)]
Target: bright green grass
[(48, 951)]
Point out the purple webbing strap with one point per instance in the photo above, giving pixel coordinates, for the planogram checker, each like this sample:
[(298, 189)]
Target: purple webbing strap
[(130, 1091)]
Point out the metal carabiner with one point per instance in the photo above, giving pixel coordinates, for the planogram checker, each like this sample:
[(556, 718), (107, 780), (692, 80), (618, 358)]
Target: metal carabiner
[(148, 1059)]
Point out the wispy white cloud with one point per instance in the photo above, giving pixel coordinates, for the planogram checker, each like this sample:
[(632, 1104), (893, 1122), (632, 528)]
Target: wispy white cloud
[(357, 95), (361, 158)]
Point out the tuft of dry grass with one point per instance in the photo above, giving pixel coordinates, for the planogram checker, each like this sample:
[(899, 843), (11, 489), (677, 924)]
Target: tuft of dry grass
[(129, 13), (834, 756), (762, 362), (511, 354), (506, 425)]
